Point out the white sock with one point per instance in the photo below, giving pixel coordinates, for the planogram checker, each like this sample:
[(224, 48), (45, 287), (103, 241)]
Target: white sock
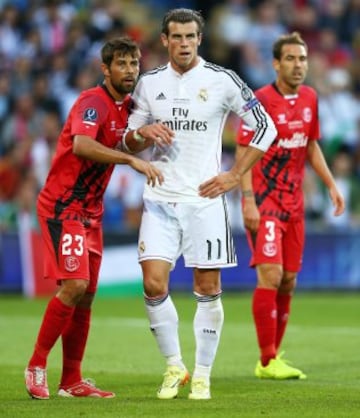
[(208, 322), (202, 372), (164, 321)]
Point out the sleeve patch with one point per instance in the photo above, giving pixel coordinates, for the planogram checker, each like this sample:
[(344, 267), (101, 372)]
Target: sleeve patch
[(90, 115), (250, 104), (246, 93)]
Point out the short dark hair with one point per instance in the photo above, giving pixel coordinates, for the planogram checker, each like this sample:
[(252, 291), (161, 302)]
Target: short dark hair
[(182, 15), (288, 39), (119, 46)]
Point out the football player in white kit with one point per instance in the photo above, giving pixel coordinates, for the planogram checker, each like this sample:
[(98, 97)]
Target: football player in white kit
[(180, 109)]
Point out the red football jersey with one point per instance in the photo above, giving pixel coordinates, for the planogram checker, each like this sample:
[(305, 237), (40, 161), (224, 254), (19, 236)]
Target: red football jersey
[(75, 186), (279, 175)]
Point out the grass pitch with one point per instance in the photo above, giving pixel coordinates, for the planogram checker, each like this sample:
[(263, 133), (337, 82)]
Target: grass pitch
[(323, 339)]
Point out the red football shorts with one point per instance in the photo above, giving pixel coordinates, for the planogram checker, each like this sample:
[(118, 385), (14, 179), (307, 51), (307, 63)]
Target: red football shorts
[(71, 250), (278, 242)]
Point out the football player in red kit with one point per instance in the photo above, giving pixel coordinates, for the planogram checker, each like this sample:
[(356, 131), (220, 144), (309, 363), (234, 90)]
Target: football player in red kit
[(273, 202), (70, 208)]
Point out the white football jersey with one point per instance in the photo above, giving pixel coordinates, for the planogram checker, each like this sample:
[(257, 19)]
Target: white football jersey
[(195, 106)]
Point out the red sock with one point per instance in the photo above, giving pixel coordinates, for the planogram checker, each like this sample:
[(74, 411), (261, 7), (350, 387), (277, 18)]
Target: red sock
[(265, 317), (283, 301), (55, 319), (74, 340)]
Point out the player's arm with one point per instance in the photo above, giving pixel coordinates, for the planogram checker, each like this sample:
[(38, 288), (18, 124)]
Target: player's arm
[(228, 180), (142, 131), (264, 134), (87, 148), (136, 140), (251, 214), (317, 160)]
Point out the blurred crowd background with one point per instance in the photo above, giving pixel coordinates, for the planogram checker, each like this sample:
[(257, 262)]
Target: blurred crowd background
[(49, 52)]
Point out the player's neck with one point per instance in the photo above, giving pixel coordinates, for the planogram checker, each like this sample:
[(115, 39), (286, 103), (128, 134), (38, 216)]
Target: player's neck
[(182, 70), (285, 89), (116, 96)]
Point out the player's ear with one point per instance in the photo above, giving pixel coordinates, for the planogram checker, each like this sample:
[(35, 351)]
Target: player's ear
[(105, 70), (200, 39), (164, 40), (276, 64)]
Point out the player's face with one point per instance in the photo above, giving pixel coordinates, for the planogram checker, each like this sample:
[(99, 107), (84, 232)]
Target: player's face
[(291, 68), (182, 44), (121, 76)]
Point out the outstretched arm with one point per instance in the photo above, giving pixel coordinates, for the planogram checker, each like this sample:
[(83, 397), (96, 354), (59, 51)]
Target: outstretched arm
[(317, 160), (87, 148)]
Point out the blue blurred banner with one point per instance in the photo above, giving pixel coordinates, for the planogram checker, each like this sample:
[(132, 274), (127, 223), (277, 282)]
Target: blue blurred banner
[(10, 263), (331, 261)]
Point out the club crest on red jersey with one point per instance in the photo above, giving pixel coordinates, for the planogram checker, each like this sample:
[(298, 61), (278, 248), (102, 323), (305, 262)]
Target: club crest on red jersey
[(270, 249), (71, 263), (307, 114)]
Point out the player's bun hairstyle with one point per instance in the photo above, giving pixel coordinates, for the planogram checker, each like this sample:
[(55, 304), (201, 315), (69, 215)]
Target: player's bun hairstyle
[(288, 39), (120, 46), (182, 15)]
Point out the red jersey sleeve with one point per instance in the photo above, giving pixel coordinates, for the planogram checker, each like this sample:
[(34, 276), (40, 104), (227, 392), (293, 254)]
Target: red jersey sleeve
[(315, 127), (89, 114)]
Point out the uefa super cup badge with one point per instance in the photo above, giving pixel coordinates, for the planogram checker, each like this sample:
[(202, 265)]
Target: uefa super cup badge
[(203, 95)]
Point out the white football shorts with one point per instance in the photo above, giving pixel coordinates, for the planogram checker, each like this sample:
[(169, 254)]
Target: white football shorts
[(199, 231)]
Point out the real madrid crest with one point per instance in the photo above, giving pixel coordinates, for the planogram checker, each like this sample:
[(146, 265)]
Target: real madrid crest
[(142, 247), (203, 95)]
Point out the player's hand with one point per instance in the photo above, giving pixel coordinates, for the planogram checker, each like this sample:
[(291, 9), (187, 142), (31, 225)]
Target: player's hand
[(337, 201), (151, 173), (159, 133), (251, 214), (219, 184)]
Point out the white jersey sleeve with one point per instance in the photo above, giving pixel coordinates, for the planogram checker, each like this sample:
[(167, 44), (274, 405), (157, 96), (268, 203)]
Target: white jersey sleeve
[(242, 100)]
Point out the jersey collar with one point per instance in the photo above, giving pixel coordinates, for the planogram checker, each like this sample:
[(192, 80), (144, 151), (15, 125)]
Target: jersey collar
[(285, 96), (193, 70)]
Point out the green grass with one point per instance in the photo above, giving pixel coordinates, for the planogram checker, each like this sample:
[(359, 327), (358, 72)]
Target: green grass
[(323, 339)]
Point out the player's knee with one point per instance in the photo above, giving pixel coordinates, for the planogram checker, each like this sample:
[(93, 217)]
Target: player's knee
[(207, 282), (86, 300), (270, 275), (288, 283), (72, 291), (155, 286), (204, 288)]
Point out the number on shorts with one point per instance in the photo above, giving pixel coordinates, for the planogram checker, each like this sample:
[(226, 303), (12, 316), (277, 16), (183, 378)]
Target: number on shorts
[(67, 243), (210, 248), (270, 226)]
